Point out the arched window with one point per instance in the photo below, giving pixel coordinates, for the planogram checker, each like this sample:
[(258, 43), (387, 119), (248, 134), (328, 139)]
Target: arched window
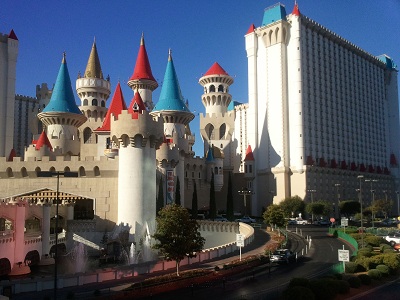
[(82, 172), (10, 173), (85, 102), (220, 88), (212, 88), (96, 171), (87, 136), (24, 173), (222, 130), (94, 102), (210, 131), (103, 103)]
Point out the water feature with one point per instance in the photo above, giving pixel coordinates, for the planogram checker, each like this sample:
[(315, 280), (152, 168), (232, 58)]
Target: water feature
[(79, 257)]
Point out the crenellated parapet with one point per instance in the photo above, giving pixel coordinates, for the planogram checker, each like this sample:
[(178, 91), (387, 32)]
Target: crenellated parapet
[(130, 131), (167, 153)]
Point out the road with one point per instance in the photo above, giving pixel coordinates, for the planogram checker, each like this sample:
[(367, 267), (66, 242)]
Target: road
[(268, 283)]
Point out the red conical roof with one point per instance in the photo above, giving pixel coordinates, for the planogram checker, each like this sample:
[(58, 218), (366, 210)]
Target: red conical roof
[(137, 106), (43, 140), (116, 106), (296, 10), (142, 68), (216, 69), (12, 155), (249, 154), (12, 35), (251, 29)]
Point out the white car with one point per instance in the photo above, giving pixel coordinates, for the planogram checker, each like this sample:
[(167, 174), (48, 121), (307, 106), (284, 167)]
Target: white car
[(301, 222), (393, 238), (246, 219)]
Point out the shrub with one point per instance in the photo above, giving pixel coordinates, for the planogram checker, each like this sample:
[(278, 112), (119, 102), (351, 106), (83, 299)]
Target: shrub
[(385, 247), (350, 267), (364, 252), (298, 293), (373, 240), (323, 289), (365, 279), (363, 263), (335, 234), (354, 282), (374, 274), (298, 281), (392, 260), (383, 269)]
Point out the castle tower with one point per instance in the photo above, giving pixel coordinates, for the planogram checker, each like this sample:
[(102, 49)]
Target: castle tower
[(215, 163), (137, 135), (217, 125), (142, 79), (8, 65), (176, 115), (93, 90), (61, 116)]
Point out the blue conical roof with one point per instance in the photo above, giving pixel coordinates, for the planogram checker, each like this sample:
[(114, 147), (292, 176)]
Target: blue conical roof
[(209, 154), (171, 96), (62, 98)]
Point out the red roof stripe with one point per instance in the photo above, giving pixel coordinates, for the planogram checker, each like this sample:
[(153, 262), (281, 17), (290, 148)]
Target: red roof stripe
[(216, 69), (251, 29), (116, 106), (249, 154), (137, 99), (142, 68), (43, 140)]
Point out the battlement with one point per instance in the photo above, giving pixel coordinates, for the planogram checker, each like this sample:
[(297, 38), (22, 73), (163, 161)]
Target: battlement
[(230, 113)]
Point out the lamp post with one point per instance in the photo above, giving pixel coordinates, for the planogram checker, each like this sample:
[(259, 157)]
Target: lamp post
[(361, 177), (57, 174), (372, 198), (312, 201), (398, 210), (337, 185), (244, 192), (386, 204)]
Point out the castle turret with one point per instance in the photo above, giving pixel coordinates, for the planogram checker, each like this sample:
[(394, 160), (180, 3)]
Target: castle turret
[(214, 161), (176, 115), (8, 66), (137, 135), (93, 90), (142, 79), (61, 116), (217, 125)]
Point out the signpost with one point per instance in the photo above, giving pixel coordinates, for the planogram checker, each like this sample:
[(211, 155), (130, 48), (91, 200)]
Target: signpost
[(344, 255), (240, 244), (344, 222)]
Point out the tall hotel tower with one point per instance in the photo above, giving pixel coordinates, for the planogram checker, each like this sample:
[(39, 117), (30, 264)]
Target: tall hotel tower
[(322, 112)]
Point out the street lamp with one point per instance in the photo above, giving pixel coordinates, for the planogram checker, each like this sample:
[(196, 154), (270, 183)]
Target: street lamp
[(386, 204), (361, 177), (58, 174), (398, 211), (373, 198), (338, 199), (244, 192), (312, 201)]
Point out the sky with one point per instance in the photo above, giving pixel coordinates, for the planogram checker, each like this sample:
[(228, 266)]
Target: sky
[(199, 33)]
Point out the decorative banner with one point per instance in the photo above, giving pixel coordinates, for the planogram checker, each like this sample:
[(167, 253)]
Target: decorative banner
[(170, 186)]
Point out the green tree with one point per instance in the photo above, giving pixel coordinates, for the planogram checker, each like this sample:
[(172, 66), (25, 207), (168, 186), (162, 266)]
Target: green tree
[(178, 192), (177, 235), (319, 208), (349, 207), (274, 215), (384, 206), (160, 198), (194, 202), (213, 204), (229, 199), (293, 206)]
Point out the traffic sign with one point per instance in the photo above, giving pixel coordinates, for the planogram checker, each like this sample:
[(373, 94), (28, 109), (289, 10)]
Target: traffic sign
[(240, 240), (344, 255), (344, 222)]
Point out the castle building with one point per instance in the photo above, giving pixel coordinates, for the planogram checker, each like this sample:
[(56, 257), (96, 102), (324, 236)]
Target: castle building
[(320, 113)]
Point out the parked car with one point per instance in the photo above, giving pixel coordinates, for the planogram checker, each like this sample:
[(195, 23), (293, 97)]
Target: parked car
[(396, 247), (393, 238), (283, 255), (324, 222), (388, 222), (301, 222), (246, 219), (292, 222)]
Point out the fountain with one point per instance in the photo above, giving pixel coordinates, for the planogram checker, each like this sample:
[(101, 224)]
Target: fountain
[(79, 257)]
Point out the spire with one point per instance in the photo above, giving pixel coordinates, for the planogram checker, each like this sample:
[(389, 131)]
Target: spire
[(93, 68), (216, 69), (296, 10), (249, 154), (43, 140), (210, 155), (62, 98), (12, 35), (142, 68), (116, 106), (137, 106), (171, 97)]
